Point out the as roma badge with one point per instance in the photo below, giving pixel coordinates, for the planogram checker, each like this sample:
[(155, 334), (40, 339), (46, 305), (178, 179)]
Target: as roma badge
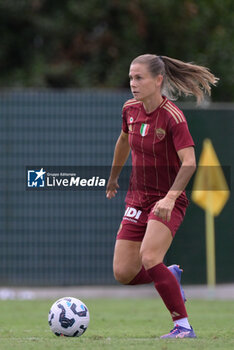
[(160, 133)]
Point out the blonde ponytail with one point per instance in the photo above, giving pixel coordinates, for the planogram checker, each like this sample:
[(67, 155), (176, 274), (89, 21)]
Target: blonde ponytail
[(187, 78)]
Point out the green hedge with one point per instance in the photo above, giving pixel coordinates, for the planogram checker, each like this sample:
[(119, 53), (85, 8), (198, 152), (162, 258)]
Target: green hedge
[(48, 43)]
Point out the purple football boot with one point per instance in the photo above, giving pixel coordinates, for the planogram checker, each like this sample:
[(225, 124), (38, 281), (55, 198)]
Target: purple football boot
[(175, 269), (180, 332)]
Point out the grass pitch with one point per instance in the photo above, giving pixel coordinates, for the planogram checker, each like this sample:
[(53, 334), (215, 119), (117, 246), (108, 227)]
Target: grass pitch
[(117, 324)]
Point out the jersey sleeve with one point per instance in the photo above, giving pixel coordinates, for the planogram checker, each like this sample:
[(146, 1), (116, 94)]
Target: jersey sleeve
[(181, 136), (124, 122)]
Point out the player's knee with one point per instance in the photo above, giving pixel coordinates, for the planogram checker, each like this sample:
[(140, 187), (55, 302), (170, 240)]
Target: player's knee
[(122, 276), (149, 259)]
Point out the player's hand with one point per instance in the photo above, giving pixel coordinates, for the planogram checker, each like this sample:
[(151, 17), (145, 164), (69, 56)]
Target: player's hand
[(163, 208), (111, 188)]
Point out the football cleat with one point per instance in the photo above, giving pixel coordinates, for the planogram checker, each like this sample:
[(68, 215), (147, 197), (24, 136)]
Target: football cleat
[(175, 269), (180, 332)]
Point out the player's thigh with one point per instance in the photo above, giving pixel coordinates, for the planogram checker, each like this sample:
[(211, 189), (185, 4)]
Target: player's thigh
[(126, 262), (155, 244)]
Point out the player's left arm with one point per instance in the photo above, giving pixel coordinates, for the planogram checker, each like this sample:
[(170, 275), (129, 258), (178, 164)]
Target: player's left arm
[(164, 207), (188, 167)]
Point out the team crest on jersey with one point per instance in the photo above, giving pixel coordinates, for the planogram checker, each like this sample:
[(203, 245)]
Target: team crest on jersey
[(144, 129), (160, 133)]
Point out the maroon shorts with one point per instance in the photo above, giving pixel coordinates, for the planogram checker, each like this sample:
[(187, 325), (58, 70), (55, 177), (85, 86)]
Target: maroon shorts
[(135, 219)]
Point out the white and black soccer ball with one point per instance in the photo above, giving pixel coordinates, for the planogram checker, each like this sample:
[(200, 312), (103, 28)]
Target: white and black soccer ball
[(69, 317)]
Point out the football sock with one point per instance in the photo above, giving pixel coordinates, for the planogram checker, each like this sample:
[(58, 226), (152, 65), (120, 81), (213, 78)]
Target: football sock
[(141, 278), (169, 290), (183, 322)]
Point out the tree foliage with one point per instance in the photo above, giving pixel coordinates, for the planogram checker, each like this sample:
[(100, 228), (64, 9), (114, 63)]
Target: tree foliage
[(78, 43)]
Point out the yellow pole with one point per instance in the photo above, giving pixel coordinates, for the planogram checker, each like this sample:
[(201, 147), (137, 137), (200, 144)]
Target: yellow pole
[(210, 244)]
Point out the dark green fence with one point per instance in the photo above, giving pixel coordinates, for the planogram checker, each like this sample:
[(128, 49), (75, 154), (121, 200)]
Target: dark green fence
[(67, 237)]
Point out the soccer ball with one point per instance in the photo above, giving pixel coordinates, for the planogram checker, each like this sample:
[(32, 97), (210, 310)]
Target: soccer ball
[(69, 317)]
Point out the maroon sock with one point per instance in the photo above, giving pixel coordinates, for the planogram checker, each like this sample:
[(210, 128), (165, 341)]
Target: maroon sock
[(169, 290), (141, 278)]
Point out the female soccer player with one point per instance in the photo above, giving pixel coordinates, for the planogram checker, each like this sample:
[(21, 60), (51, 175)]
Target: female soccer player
[(163, 161)]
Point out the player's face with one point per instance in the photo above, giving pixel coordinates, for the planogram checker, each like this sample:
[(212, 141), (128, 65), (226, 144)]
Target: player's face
[(143, 84)]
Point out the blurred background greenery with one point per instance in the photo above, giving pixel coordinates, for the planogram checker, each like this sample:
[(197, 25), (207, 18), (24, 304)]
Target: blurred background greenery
[(79, 44)]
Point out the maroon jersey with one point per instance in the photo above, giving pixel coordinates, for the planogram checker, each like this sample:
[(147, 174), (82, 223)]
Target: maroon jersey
[(154, 139)]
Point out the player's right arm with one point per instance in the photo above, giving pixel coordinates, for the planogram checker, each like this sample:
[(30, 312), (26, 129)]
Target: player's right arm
[(121, 154)]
